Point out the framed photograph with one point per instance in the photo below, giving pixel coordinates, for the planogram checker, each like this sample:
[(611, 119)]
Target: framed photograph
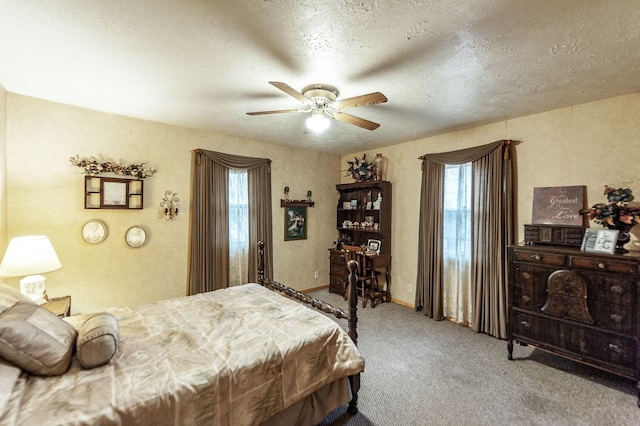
[(354, 204), (346, 205), (604, 241), (374, 246), (295, 223), (114, 192), (589, 239)]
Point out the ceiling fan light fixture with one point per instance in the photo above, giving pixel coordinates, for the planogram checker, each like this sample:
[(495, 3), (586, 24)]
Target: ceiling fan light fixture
[(318, 122)]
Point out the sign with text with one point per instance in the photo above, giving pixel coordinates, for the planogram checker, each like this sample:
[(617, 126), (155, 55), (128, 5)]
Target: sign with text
[(558, 205)]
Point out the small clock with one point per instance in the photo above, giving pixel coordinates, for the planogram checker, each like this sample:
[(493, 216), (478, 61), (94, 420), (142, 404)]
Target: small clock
[(135, 236), (94, 231)]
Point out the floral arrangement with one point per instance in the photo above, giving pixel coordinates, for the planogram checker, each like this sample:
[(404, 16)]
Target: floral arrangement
[(361, 169), (92, 167), (619, 211)]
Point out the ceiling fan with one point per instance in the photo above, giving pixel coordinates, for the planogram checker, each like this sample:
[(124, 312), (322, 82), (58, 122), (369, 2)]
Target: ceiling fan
[(320, 101)]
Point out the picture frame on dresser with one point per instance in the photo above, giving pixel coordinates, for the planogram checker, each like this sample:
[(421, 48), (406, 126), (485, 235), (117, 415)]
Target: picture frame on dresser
[(600, 240)]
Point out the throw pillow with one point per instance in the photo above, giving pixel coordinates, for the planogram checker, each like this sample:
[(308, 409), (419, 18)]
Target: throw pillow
[(98, 336), (36, 340), (9, 296)]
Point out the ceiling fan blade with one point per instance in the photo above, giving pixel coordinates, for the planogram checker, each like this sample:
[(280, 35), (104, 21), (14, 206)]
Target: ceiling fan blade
[(362, 100), (292, 92), (279, 111), (352, 119)]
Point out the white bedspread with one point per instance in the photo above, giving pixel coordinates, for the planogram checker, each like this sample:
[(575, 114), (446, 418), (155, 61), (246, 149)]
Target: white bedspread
[(229, 357)]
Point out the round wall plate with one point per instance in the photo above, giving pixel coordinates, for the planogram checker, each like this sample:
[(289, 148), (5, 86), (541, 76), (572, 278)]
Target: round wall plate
[(94, 231), (135, 236)]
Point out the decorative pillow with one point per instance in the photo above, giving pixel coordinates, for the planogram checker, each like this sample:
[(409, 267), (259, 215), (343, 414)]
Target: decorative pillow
[(98, 336), (9, 296), (36, 340), (9, 374)]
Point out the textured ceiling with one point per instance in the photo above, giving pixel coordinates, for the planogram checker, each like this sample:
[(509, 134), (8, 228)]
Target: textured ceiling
[(443, 65)]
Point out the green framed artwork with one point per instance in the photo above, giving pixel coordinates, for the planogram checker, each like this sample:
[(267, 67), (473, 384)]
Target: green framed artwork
[(295, 223)]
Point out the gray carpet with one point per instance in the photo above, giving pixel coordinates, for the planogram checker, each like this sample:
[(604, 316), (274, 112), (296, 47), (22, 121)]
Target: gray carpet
[(425, 372)]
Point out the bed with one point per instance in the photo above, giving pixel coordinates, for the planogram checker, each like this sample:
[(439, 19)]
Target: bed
[(239, 356)]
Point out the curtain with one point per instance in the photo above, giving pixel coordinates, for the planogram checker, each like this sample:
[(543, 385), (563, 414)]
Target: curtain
[(493, 229), (209, 218)]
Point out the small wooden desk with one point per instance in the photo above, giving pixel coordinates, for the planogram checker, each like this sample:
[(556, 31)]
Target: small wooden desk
[(338, 273), (61, 306)]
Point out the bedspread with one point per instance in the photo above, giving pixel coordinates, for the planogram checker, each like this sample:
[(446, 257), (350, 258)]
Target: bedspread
[(229, 357)]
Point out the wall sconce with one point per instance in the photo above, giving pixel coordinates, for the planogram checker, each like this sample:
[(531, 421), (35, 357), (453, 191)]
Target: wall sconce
[(309, 195), (170, 206), (30, 255), (286, 193)]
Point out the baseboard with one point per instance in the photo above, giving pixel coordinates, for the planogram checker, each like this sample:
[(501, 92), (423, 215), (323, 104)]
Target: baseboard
[(402, 303), (311, 290)]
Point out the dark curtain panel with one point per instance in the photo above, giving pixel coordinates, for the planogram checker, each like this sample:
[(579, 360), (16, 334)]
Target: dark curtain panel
[(493, 226), (209, 219)]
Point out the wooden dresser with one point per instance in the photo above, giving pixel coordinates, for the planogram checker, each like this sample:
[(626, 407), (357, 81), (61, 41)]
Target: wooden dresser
[(337, 272), (582, 306)]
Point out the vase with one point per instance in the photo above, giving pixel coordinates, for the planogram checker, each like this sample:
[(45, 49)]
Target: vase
[(623, 236), (379, 164)]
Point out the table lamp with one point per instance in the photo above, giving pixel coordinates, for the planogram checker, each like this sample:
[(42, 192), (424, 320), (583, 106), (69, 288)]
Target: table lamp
[(30, 255)]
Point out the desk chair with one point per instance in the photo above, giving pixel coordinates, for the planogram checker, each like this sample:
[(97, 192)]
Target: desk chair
[(367, 282)]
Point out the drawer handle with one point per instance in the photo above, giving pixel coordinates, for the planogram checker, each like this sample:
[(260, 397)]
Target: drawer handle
[(615, 348), (525, 324), (536, 257), (616, 318), (526, 299), (602, 265), (617, 289)]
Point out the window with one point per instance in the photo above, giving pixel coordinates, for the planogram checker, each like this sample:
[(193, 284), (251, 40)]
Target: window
[(238, 226), (457, 243)]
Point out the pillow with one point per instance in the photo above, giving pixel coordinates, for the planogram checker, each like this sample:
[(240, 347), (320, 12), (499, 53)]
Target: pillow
[(9, 296), (98, 336), (36, 340), (9, 374)]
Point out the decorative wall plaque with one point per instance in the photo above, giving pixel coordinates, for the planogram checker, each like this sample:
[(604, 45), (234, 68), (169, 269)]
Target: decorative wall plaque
[(558, 205)]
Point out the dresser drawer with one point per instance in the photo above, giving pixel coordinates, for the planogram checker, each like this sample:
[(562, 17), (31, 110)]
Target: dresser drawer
[(337, 259), (525, 292), (571, 338), (610, 288), (613, 317), (603, 264), (337, 284), (540, 257)]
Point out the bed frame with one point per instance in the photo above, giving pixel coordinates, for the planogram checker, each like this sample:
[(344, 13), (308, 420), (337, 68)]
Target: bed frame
[(351, 295)]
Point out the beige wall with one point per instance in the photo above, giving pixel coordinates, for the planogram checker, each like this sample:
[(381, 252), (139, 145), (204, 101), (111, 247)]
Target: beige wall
[(592, 144), (45, 196)]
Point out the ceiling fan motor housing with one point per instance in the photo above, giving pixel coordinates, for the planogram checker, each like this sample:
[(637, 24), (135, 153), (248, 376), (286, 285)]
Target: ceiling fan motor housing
[(321, 94)]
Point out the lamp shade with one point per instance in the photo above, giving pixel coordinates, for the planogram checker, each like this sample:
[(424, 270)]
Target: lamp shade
[(29, 255), (317, 122)]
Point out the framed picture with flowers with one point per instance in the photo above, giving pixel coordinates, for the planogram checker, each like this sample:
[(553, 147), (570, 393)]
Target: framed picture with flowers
[(295, 223)]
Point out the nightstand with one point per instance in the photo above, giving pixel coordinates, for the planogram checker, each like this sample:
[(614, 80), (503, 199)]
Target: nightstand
[(61, 306)]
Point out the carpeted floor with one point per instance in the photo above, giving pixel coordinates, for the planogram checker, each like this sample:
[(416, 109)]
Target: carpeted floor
[(425, 372)]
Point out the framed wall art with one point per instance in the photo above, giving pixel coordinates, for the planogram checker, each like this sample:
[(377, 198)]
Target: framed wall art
[(94, 231), (295, 223), (558, 205)]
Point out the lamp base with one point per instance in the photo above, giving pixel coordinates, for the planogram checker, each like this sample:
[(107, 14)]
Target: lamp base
[(32, 286)]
